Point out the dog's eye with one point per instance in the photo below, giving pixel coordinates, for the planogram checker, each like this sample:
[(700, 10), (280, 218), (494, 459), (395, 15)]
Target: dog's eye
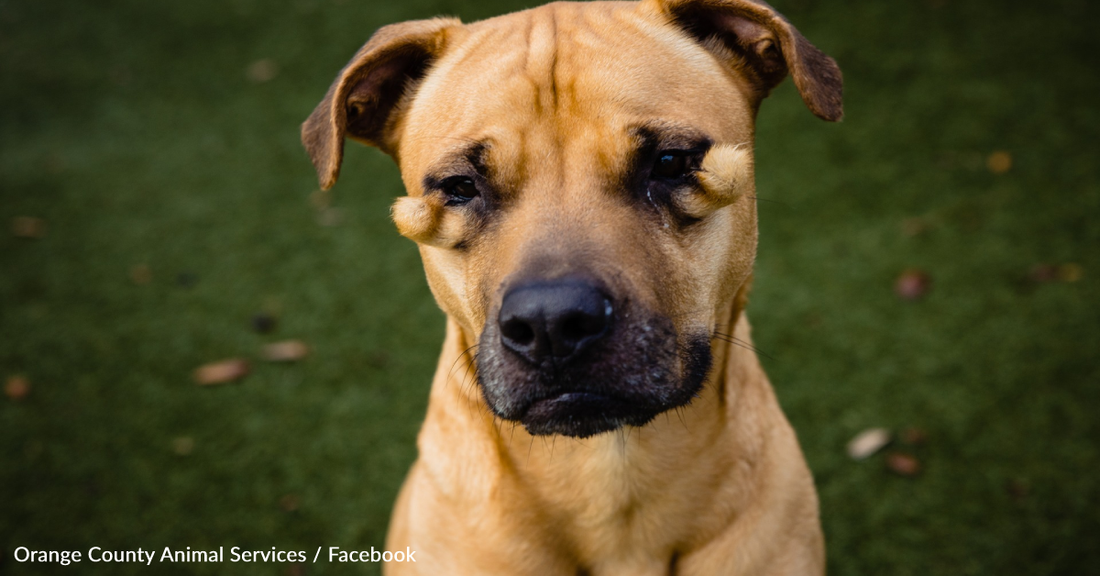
[(460, 189), (672, 165)]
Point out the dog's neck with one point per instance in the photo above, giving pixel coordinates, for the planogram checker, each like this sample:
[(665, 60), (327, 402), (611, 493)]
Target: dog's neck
[(591, 488)]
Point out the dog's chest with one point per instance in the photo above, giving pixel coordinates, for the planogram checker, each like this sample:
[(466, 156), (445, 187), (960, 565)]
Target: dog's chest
[(614, 502)]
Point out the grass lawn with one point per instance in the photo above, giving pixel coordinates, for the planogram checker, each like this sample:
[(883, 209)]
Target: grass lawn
[(159, 142)]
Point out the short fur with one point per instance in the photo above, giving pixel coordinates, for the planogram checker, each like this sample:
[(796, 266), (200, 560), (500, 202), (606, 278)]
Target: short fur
[(554, 121)]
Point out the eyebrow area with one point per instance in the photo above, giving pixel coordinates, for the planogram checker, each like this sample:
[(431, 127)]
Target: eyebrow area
[(468, 160), (666, 135)]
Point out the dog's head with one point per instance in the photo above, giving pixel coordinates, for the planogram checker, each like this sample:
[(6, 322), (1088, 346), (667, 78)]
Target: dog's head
[(580, 183)]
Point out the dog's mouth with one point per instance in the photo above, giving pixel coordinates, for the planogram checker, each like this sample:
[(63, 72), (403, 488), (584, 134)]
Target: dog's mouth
[(641, 369), (583, 414)]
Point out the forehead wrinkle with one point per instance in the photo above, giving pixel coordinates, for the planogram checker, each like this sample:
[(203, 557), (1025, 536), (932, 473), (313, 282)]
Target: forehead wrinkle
[(540, 140), (542, 57), (589, 124), (518, 62), (573, 126), (609, 89)]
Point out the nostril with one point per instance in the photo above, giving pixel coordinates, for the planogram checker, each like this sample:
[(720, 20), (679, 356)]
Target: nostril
[(518, 332), (583, 322)]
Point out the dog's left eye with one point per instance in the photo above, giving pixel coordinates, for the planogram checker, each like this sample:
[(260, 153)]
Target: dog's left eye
[(672, 165), (460, 189)]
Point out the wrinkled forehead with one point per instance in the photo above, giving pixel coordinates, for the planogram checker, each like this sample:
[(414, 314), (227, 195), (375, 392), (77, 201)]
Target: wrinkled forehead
[(570, 75)]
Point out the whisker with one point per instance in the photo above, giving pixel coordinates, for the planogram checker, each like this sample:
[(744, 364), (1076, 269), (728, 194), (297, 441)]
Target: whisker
[(464, 353), (730, 339), (467, 374)]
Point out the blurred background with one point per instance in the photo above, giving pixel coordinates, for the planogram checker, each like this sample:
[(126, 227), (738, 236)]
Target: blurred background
[(929, 266)]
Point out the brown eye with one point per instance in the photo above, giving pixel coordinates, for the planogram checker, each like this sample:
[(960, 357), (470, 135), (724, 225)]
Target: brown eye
[(460, 189), (671, 165)]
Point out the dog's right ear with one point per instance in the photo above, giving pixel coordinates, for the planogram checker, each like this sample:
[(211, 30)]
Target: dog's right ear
[(365, 100)]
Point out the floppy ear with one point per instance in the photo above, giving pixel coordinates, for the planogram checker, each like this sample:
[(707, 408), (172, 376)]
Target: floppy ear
[(365, 100), (764, 45)]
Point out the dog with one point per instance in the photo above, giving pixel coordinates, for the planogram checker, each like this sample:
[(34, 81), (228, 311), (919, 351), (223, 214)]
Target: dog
[(580, 187)]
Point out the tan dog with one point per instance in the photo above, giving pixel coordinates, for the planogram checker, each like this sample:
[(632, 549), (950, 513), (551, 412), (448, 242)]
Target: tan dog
[(580, 181)]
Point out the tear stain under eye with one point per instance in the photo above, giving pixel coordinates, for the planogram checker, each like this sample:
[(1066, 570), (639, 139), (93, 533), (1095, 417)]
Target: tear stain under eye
[(649, 196)]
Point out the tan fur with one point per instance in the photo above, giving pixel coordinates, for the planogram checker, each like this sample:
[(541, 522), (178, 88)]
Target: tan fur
[(554, 94), (726, 173), (423, 220)]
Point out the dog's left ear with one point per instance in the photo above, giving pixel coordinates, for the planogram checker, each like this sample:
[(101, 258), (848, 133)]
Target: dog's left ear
[(764, 45), (364, 100)]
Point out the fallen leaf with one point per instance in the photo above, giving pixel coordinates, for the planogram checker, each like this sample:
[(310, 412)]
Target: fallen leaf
[(1041, 273), (263, 70), (999, 162), (867, 443), (17, 387), (285, 351), (903, 464), (28, 227), (222, 372), (289, 502), (183, 445), (141, 274), (912, 284), (1070, 272), (914, 436)]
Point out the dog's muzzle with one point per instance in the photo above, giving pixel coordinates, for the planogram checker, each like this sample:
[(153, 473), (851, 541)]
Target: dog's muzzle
[(564, 356)]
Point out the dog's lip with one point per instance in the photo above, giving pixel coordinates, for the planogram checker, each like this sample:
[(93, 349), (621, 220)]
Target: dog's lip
[(565, 399), (574, 405), (581, 414)]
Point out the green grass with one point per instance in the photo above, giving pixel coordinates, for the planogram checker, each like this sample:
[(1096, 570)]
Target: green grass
[(132, 128)]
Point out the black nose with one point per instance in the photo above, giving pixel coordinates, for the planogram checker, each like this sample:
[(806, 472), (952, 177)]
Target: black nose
[(553, 319)]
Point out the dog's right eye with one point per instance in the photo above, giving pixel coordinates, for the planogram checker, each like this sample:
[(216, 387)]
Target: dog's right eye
[(459, 190), (675, 164), (670, 165)]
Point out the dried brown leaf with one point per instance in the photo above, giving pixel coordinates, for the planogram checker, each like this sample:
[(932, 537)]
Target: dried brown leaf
[(263, 70), (17, 387), (285, 351), (999, 162), (912, 284), (903, 464), (28, 227), (222, 372), (867, 443)]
